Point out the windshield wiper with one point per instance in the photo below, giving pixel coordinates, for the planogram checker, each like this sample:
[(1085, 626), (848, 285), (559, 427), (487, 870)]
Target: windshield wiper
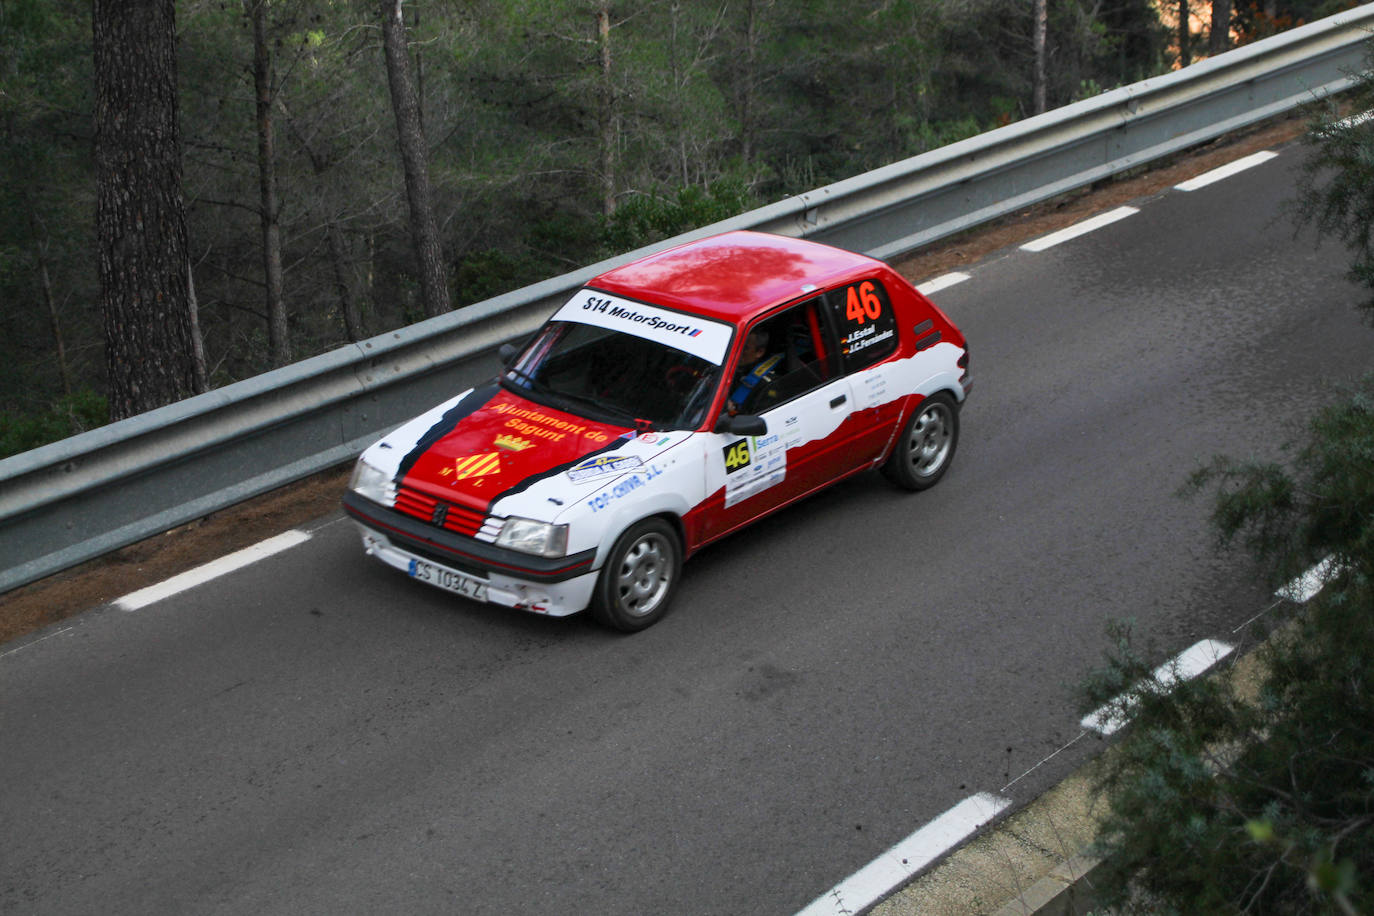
[(562, 398), (607, 407)]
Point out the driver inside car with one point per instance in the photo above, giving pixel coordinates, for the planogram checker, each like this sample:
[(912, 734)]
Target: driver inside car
[(755, 368)]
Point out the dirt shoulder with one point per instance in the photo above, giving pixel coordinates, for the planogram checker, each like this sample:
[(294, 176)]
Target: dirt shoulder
[(99, 581), (162, 556)]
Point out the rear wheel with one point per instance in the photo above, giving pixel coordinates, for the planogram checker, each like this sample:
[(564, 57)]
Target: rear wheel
[(926, 447), (640, 576)]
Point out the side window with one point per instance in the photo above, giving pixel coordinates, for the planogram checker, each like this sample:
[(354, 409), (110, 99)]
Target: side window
[(781, 357), (868, 329)]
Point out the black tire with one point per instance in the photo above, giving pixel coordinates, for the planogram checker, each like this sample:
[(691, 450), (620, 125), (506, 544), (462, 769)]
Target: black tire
[(926, 446), (640, 577)]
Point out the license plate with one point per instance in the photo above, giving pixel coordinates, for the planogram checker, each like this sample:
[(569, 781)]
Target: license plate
[(448, 580)]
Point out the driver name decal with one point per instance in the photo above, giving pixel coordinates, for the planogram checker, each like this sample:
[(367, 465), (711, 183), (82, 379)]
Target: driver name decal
[(865, 338)]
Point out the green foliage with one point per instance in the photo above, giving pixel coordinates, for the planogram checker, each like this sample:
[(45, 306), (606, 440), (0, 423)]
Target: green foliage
[(541, 159), (20, 432), (493, 271), (560, 242), (47, 206), (1224, 803), (643, 219), (919, 135), (1336, 189)]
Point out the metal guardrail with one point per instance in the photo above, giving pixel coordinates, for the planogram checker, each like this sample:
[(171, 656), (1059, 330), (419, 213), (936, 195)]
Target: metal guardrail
[(76, 499)]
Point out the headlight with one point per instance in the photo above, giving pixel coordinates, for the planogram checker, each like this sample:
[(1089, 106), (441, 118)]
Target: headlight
[(538, 538), (372, 483)]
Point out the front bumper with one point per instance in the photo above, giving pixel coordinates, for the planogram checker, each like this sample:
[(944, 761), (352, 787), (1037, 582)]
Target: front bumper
[(556, 587)]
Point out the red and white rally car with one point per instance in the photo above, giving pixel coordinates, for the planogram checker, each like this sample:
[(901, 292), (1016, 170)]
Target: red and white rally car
[(672, 401)]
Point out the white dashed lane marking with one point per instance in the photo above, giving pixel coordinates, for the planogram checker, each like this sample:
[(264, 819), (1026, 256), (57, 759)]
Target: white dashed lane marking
[(1083, 228), (1225, 171), (931, 287), (212, 570)]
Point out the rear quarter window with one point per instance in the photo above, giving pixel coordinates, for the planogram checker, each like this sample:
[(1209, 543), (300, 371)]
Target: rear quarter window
[(866, 324)]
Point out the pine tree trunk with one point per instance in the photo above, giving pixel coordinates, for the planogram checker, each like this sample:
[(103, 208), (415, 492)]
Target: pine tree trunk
[(140, 215), (1185, 51), (1219, 39), (749, 82), (40, 238), (608, 122), (419, 75), (278, 331), (424, 230), (348, 303), (678, 80), (201, 369), (63, 369), (1041, 30)]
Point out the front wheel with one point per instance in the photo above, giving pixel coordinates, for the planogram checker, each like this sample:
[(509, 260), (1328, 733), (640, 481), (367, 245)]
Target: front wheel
[(639, 577), (926, 447)]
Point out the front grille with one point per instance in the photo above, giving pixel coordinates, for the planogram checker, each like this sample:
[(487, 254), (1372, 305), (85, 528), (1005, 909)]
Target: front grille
[(441, 513), (446, 559)]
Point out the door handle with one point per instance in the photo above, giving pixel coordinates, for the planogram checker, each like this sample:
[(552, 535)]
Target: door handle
[(837, 401)]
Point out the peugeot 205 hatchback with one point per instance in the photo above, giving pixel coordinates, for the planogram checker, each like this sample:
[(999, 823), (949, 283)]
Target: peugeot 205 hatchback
[(670, 402)]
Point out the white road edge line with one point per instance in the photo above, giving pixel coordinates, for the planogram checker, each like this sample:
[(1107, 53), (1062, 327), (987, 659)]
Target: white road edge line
[(1083, 228), (1305, 587), (1189, 663), (212, 570), (931, 287), (1226, 171), (1198, 658), (908, 857), (1354, 120)]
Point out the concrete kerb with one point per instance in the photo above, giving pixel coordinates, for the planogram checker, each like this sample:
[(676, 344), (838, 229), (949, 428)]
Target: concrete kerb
[(1038, 861), (1034, 862), (1065, 891)]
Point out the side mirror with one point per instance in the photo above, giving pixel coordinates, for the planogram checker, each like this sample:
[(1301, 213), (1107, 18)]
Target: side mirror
[(743, 424), (508, 352)]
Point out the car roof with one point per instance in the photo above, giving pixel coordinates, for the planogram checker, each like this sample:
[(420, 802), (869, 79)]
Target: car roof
[(734, 276)]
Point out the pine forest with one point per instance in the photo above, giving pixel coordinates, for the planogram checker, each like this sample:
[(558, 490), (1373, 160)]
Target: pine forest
[(346, 167)]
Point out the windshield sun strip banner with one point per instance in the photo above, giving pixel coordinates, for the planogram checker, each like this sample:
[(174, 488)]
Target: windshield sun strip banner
[(702, 337)]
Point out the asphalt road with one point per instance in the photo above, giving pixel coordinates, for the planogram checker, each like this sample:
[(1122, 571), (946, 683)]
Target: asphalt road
[(315, 734)]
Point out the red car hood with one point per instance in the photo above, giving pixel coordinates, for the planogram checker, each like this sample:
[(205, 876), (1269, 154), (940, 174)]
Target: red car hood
[(504, 443)]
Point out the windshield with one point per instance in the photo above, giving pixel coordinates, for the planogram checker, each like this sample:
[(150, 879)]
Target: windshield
[(614, 376)]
